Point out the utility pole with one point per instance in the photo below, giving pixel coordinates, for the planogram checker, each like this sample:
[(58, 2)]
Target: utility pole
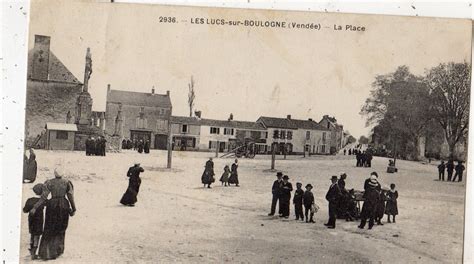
[(217, 149), (273, 156), (170, 144)]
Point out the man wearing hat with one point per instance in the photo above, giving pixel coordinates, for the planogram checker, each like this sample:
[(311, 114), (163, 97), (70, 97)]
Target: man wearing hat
[(276, 192), (286, 189), (308, 201), (332, 196)]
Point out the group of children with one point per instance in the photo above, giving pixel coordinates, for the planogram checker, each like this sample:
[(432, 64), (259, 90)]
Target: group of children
[(306, 199)]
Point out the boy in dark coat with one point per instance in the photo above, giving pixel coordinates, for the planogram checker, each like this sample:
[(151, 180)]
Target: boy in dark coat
[(286, 189), (308, 200), (441, 168), (332, 196), (450, 169), (298, 201), (35, 221), (459, 171)]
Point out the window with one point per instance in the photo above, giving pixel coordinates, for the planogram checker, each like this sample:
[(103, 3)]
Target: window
[(323, 148), (228, 131), (282, 134), (61, 135), (265, 135), (215, 130), (212, 144), (308, 135), (141, 123), (289, 135), (324, 137), (276, 134), (184, 128)]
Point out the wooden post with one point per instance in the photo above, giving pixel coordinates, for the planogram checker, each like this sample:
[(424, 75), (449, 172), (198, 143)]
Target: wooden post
[(273, 156), (217, 149)]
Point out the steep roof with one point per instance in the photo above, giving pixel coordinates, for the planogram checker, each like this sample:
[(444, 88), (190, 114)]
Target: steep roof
[(138, 98), (275, 122), (307, 124), (57, 71), (217, 123)]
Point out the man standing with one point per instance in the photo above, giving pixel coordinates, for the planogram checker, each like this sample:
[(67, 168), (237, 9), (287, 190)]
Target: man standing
[(459, 171), (286, 189), (441, 168), (276, 192), (332, 196), (450, 168)]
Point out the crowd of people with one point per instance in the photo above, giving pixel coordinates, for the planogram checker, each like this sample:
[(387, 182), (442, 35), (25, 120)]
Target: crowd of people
[(142, 146), (449, 167), (95, 146), (342, 203), (229, 176)]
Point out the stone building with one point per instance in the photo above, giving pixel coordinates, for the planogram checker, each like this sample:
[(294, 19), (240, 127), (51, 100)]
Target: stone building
[(138, 116), (51, 92), (185, 132), (336, 135)]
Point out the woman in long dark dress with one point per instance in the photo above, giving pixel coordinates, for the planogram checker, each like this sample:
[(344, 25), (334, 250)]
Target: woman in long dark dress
[(32, 168), (391, 207), (234, 175), (207, 177), (140, 146), (129, 198), (58, 209)]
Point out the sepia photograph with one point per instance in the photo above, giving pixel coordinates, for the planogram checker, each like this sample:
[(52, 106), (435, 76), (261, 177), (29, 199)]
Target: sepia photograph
[(160, 133)]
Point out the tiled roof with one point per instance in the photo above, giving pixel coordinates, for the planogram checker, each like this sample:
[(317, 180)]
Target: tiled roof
[(307, 124), (275, 122), (138, 99), (217, 123), (61, 126), (57, 72)]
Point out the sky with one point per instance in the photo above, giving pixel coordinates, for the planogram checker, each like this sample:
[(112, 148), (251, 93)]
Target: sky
[(247, 71)]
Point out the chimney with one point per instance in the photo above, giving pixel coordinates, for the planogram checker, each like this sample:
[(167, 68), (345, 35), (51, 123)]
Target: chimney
[(197, 114), (310, 119), (108, 87), (288, 117), (231, 117), (153, 90), (168, 93), (40, 62)]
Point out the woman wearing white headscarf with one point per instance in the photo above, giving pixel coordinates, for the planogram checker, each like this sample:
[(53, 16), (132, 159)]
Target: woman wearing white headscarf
[(371, 194), (58, 209)]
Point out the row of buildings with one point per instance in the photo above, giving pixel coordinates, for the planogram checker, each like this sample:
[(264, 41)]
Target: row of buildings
[(59, 116)]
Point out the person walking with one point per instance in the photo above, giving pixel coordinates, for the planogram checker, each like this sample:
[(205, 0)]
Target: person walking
[(332, 196), (207, 177), (441, 169), (129, 198), (459, 171), (450, 169), (276, 193), (59, 208), (234, 174)]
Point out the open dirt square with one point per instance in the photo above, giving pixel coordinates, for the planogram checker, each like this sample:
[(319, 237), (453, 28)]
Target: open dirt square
[(177, 220)]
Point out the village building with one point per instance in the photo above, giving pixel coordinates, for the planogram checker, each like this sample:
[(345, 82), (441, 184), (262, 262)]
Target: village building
[(51, 93), (185, 132), (336, 135), (293, 136), (60, 136), (138, 116)]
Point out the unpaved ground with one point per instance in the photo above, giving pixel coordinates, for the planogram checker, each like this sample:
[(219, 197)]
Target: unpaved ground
[(177, 220)]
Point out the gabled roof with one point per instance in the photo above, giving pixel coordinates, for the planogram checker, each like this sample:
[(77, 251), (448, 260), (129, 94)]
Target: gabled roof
[(216, 123), (57, 71), (61, 126), (275, 122), (138, 98), (308, 124)]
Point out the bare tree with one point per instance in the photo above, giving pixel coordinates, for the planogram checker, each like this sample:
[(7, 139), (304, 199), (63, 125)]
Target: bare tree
[(191, 96), (449, 88)]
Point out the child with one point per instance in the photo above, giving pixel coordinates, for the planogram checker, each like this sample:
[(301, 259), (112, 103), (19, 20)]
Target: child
[(298, 201), (35, 221), (308, 201), (391, 207), (225, 176)]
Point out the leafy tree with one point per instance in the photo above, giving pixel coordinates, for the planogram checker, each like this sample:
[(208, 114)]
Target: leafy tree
[(449, 86), (363, 140)]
